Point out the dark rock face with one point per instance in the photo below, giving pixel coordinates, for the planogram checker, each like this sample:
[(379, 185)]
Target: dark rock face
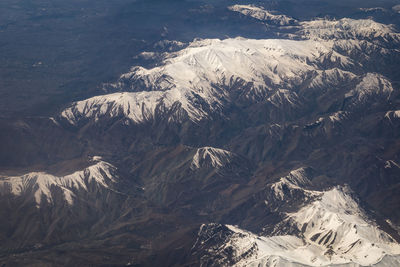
[(252, 157)]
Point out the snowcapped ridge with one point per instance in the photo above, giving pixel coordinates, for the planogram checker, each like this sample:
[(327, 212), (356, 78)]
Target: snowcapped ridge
[(282, 97), (249, 249), (198, 81), (199, 77), (338, 116), (211, 156), (262, 14), (39, 185), (371, 9), (138, 107), (222, 62), (372, 84), (332, 76), (295, 180), (336, 224), (344, 28), (332, 229), (347, 28)]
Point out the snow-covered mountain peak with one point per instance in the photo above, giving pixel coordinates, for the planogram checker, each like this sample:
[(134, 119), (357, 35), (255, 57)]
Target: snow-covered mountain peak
[(325, 29), (347, 28), (41, 185), (138, 107), (261, 14), (198, 79), (297, 177), (296, 180), (372, 84), (337, 224), (210, 156), (333, 230), (331, 77), (214, 61), (337, 200)]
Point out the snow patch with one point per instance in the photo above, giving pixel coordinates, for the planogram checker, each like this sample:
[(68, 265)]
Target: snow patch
[(391, 164), (372, 9), (54, 121), (211, 156), (395, 114), (338, 116), (282, 97), (146, 55)]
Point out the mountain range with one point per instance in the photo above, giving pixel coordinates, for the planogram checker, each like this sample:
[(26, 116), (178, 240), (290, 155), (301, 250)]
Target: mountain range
[(277, 151)]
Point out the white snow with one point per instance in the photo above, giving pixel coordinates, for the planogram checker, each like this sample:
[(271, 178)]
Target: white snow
[(335, 223), (222, 62), (146, 55), (54, 121), (282, 97), (371, 84), (395, 114), (204, 72), (197, 81), (371, 9), (347, 28), (295, 180), (262, 14), (338, 116), (138, 106), (330, 230), (336, 232), (211, 156), (391, 164), (327, 29), (170, 45), (39, 185)]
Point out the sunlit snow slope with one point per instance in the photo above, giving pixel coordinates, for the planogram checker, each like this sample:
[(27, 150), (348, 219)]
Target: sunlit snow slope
[(201, 80), (210, 156), (332, 230), (263, 15)]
